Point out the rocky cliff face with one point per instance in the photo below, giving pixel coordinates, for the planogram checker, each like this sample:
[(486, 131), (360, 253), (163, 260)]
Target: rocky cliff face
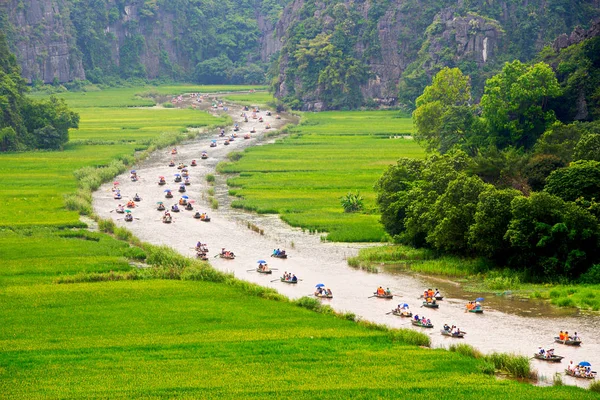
[(403, 43), (43, 40), (577, 36), (67, 40)]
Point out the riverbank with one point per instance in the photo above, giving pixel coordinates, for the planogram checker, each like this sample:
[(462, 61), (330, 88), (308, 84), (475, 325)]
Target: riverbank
[(475, 276)]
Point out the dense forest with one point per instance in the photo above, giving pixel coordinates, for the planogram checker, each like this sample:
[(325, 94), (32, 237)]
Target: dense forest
[(318, 54), (24, 122), (515, 178)]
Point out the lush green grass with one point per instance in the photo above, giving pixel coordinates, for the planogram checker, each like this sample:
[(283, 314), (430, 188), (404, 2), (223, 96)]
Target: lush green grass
[(34, 183), (168, 339), (426, 261), (303, 176), (260, 99)]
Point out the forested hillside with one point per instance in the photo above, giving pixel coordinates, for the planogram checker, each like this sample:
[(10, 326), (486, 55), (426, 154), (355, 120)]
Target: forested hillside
[(340, 53), (322, 54), (107, 40), (514, 179)]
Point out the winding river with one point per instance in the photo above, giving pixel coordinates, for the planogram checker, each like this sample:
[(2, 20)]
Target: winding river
[(507, 325)]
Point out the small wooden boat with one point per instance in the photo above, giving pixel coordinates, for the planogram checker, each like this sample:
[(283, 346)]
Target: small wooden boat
[(202, 256), (128, 217), (435, 297), (167, 219), (458, 335), (120, 211), (160, 207), (430, 305), (169, 195), (383, 296), (213, 144), (568, 342), (193, 163), (402, 313), (545, 358), (163, 182), (279, 255), (324, 296), (204, 156), (288, 280), (229, 256), (263, 271), (205, 219), (420, 324), (571, 373), (476, 310), (247, 136)]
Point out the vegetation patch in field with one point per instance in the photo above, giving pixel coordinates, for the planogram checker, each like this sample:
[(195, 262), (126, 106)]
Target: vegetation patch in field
[(303, 176)]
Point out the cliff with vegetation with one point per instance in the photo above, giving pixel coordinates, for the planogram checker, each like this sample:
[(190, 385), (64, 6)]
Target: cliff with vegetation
[(342, 53), (107, 40)]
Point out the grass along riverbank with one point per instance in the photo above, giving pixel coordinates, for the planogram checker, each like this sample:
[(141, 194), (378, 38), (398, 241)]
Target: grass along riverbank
[(475, 275), (181, 329), (303, 176)]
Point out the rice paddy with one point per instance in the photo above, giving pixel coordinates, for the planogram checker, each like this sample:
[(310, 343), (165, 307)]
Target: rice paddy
[(303, 176), (175, 334)]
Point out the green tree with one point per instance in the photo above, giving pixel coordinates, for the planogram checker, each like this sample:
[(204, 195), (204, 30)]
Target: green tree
[(552, 238), (588, 148), (514, 104), (539, 168), (454, 212), (490, 223), (579, 179), (49, 121), (213, 71), (392, 189), (443, 117)]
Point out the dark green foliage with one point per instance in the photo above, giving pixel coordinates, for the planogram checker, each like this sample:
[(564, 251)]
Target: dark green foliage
[(554, 238), (539, 167), (24, 122), (579, 179), (352, 202), (588, 148)]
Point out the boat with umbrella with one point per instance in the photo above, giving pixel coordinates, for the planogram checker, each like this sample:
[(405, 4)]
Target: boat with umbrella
[(322, 292), (583, 370), (475, 306), (402, 310), (263, 268)]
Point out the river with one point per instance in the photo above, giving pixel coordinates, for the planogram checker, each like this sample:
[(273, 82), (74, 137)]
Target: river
[(507, 325)]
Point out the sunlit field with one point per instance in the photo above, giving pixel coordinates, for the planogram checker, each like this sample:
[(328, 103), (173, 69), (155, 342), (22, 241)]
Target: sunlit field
[(303, 176)]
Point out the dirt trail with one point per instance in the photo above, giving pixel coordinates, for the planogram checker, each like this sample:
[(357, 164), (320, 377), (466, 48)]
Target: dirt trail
[(506, 325)]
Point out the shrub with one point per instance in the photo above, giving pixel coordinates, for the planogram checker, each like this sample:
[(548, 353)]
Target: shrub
[(352, 202), (210, 178)]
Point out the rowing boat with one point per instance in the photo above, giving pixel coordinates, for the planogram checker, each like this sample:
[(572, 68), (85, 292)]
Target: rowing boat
[(568, 342), (476, 310), (264, 271), (324, 296), (383, 296), (430, 305), (422, 325), (551, 358), (288, 280), (402, 313), (458, 335), (571, 373)]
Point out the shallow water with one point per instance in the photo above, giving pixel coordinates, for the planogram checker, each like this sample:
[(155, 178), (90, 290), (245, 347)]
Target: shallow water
[(507, 325)]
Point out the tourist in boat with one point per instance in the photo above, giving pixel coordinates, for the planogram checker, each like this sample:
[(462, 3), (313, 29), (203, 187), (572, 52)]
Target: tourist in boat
[(380, 291), (430, 293), (437, 293), (550, 353), (120, 209), (561, 335), (541, 351), (388, 292), (566, 336), (329, 293), (575, 337), (416, 317), (571, 366), (294, 279), (446, 328)]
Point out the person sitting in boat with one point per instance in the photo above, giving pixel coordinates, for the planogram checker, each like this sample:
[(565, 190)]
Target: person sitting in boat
[(294, 279), (430, 293), (120, 209), (189, 207), (571, 366), (388, 292), (172, 163), (136, 197), (167, 214), (182, 202), (566, 336), (454, 330), (380, 291), (328, 293), (446, 328), (588, 372), (416, 317), (541, 351), (268, 113), (575, 337), (174, 208), (437, 293), (550, 353), (131, 204)]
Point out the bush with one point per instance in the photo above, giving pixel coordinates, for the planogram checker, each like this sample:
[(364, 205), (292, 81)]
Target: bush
[(352, 202), (210, 178)]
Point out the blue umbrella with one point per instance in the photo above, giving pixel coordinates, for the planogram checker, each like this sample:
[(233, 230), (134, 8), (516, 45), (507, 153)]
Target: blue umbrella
[(214, 141), (585, 364), (320, 285), (261, 262), (479, 299), (403, 305), (133, 171), (177, 175), (167, 190), (185, 197)]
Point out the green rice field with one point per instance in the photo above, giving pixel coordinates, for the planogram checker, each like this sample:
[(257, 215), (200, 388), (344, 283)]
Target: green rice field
[(34, 183), (303, 176), (261, 99), (180, 329)]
